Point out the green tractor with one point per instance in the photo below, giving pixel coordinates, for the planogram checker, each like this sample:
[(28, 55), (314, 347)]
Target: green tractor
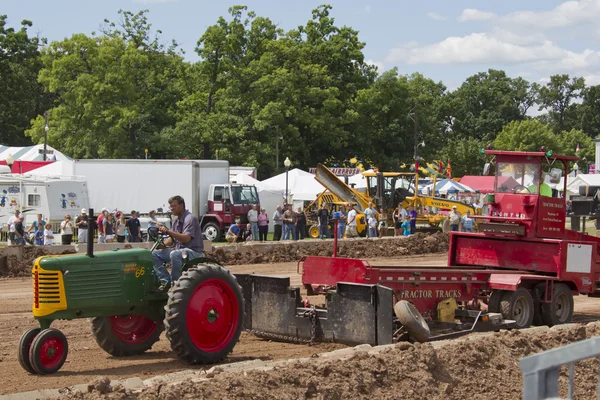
[(202, 314)]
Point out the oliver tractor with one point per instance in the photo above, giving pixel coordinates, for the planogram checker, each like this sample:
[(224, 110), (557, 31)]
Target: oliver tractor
[(202, 313)]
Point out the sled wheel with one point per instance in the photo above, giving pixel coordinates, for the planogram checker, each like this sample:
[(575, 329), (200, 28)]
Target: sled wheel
[(518, 306), (24, 346), (313, 232), (560, 309), (494, 301), (48, 351), (205, 314), (412, 320), (126, 335)]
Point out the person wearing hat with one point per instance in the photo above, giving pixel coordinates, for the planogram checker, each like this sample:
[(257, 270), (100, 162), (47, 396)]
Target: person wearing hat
[(81, 223), (454, 219)]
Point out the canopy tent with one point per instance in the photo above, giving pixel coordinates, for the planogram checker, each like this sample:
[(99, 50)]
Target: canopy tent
[(278, 181), (32, 153), (270, 197), (446, 186), (573, 184), (485, 184), (306, 188)]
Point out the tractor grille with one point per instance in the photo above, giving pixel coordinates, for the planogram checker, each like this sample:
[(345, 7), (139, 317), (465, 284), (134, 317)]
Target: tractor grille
[(92, 284), (47, 287)]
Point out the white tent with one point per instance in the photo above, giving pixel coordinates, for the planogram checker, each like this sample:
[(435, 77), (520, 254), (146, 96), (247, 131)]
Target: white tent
[(573, 184), (270, 197), (278, 181), (446, 186), (306, 188), (32, 153)]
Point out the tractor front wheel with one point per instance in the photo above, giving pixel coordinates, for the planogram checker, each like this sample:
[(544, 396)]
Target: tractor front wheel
[(48, 351), (313, 232), (126, 335), (560, 309), (25, 346), (518, 306), (205, 314)]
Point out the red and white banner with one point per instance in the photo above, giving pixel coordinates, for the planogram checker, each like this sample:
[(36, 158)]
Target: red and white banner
[(340, 171)]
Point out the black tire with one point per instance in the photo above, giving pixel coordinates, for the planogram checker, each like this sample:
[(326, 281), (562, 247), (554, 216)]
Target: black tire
[(24, 347), (127, 335), (412, 320), (189, 315), (212, 232), (313, 232), (48, 351), (494, 301), (560, 309), (518, 306), (538, 300)]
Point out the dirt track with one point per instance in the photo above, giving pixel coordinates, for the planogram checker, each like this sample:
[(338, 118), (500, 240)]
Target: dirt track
[(87, 362)]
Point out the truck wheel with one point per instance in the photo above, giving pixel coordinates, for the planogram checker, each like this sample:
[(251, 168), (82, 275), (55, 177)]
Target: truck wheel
[(25, 346), (126, 335), (313, 232), (518, 306), (560, 309), (205, 314), (412, 320), (538, 300), (212, 232), (494, 301), (48, 351)]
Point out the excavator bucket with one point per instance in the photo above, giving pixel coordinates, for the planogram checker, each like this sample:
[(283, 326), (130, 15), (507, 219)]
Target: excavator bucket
[(354, 314)]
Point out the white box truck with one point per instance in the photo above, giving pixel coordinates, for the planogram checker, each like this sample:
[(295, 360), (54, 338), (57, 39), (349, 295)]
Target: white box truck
[(144, 185)]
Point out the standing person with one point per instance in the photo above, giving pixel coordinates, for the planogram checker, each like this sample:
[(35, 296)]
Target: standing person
[(82, 223), (397, 218), (48, 235), (20, 231), (38, 227), (11, 226), (323, 218), (133, 228), (100, 225), (406, 230), (454, 220), (289, 223), (253, 220), (342, 222), (300, 224), (277, 223), (412, 215), (372, 223), (152, 223), (121, 225), (351, 231), (382, 223), (109, 228), (186, 234), (66, 230), (368, 212), (263, 225), (468, 222)]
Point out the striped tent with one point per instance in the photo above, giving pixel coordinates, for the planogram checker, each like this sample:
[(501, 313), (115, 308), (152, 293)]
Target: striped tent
[(32, 153)]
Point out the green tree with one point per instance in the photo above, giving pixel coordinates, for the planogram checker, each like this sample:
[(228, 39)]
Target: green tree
[(464, 155), (21, 96), (528, 135), (590, 111), (569, 140), (557, 98)]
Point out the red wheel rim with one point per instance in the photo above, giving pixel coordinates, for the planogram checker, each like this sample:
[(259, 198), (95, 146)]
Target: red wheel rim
[(132, 329), (52, 352), (212, 315)]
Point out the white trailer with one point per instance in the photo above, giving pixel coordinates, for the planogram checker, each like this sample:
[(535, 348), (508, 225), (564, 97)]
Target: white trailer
[(51, 196)]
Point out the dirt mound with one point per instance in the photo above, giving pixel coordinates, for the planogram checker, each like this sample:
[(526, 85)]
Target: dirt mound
[(477, 368), (419, 243), (21, 266)]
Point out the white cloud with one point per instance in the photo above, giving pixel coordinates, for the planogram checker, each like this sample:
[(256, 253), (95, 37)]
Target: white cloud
[(437, 17), (471, 14), (145, 2), (569, 13), (378, 64)]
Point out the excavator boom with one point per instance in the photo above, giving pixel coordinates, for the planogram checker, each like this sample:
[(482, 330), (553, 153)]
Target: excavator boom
[(329, 180)]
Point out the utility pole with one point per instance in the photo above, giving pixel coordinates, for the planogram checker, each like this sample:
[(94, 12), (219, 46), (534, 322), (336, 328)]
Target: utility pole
[(416, 127), (46, 129)]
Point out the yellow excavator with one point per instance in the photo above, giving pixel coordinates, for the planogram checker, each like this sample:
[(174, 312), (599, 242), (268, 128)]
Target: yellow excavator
[(388, 189)]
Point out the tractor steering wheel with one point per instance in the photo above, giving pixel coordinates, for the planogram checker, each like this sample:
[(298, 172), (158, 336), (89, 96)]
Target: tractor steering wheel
[(157, 238), (519, 188)]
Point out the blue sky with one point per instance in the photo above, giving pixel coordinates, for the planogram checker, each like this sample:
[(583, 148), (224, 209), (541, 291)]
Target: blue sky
[(445, 40)]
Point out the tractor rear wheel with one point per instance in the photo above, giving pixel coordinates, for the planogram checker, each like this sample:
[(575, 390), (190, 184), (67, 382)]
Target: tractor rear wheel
[(494, 301), (126, 335), (25, 346), (560, 309), (48, 351), (412, 320), (205, 314), (518, 306)]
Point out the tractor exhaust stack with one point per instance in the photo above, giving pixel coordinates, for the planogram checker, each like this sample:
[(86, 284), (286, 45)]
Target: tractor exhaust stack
[(90, 234)]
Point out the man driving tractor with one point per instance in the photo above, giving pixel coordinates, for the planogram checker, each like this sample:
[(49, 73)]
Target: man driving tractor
[(187, 237)]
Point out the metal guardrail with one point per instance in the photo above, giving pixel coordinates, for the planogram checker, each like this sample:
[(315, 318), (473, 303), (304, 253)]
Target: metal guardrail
[(541, 371)]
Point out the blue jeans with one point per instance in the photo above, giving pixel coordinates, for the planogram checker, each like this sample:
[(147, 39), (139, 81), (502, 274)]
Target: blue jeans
[(254, 229), (289, 231), (341, 230), (174, 257), (323, 231), (372, 232), (453, 228)]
